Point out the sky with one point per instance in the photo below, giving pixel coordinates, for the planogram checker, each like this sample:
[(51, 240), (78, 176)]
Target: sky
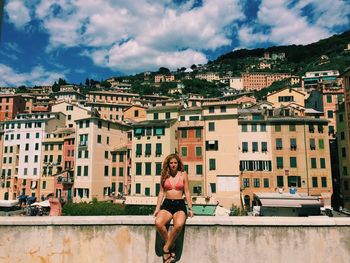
[(43, 40)]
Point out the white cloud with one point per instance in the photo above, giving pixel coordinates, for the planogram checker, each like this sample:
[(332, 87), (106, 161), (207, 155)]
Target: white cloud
[(18, 13), (284, 24), (37, 76), (160, 32)]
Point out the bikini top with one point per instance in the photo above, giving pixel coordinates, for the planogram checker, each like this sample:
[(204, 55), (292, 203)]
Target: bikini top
[(178, 186)]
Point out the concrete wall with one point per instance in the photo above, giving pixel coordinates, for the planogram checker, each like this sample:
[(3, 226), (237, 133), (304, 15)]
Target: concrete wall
[(205, 239)]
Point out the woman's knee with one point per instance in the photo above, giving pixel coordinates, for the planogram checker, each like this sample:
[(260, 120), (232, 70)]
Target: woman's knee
[(159, 223), (179, 225)]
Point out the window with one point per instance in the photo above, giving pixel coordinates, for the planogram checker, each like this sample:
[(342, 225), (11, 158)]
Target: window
[(212, 164), (312, 144), (198, 133), (211, 146), (323, 163), (330, 114), (291, 127), (147, 191), (244, 146), (27, 147), (158, 168), (341, 117), (280, 181), (244, 127), (184, 151), (155, 116), (86, 155), (329, 98), (342, 136), (158, 149), (138, 150), (87, 123), (254, 128), (211, 109), (106, 154), (44, 185), (114, 171), (293, 144), (121, 157), (279, 162), (314, 182), (198, 151), (345, 170), (86, 170), (343, 152), (263, 127), (320, 128), (277, 128), (78, 170), (293, 162), (138, 188), (199, 169), (37, 135), (99, 138), (294, 181), (324, 181), (211, 126), (266, 183), (246, 182), (148, 150), (27, 135), (159, 131), (79, 154), (279, 144), (186, 168), (148, 168), (26, 158), (321, 144), (311, 128), (313, 163), (183, 134), (255, 147), (136, 113), (167, 115), (182, 118), (264, 146), (213, 188), (222, 108), (330, 129), (256, 182), (138, 168)]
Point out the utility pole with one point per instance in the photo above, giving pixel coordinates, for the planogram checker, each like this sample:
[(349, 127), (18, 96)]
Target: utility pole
[(2, 2)]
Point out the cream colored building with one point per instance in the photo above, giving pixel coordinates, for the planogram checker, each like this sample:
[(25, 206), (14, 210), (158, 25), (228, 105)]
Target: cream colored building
[(110, 105), (210, 76), (135, 113), (73, 111), (286, 96), (221, 153), (96, 139), (22, 148), (153, 140)]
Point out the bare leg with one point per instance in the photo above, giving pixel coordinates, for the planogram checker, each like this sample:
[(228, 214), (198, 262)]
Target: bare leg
[(179, 221), (162, 219)]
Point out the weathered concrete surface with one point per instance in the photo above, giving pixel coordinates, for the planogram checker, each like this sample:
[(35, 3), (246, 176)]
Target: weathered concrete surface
[(206, 239)]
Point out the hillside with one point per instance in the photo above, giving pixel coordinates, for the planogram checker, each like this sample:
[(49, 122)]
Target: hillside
[(299, 58)]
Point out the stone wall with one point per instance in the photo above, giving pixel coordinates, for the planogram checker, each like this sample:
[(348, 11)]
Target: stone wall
[(205, 239)]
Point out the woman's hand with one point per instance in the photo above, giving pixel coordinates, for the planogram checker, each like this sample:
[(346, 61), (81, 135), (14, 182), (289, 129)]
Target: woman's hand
[(156, 212), (190, 213)]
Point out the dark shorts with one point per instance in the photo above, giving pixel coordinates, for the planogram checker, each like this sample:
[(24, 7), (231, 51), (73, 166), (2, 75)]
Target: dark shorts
[(174, 205)]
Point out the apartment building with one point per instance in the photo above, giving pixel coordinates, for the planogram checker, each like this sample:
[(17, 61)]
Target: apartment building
[(164, 78), (345, 143), (301, 156), (73, 111), (22, 151), (135, 113), (221, 152), (10, 106), (69, 96), (190, 136), (210, 76), (153, 140), (260, 80), (286, 96), (110, 105), (313, 80), (65, 179), (255, 154), (95, 140)]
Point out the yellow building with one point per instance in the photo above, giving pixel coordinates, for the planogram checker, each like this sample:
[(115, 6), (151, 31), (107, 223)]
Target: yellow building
[(286, 96), (152, 141), (96, 140)]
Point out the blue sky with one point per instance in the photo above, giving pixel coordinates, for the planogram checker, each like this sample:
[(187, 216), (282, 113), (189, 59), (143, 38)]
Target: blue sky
[(43, 40)]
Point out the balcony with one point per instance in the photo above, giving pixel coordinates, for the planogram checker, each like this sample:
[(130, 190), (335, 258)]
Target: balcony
[(241, 233), (83, 144)]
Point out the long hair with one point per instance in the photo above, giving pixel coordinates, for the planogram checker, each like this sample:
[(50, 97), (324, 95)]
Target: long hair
[(166, 167)]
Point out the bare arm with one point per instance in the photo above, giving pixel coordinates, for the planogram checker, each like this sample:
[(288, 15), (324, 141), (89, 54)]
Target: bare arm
[(187, 193)]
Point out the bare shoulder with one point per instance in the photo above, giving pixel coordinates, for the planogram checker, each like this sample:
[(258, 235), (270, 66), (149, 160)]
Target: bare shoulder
[(184, 174)]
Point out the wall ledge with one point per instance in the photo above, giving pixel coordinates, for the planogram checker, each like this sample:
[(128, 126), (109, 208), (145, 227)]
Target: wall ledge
[(195, 221)]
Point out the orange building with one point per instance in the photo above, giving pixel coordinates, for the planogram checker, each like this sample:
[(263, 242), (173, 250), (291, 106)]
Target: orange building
[(260, 80), (10, 106)]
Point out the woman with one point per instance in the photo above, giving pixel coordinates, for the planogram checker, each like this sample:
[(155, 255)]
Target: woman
[(173, 184)]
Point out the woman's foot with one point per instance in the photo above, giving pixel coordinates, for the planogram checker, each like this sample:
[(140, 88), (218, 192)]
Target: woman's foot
[(167, 257), (172, 253)]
